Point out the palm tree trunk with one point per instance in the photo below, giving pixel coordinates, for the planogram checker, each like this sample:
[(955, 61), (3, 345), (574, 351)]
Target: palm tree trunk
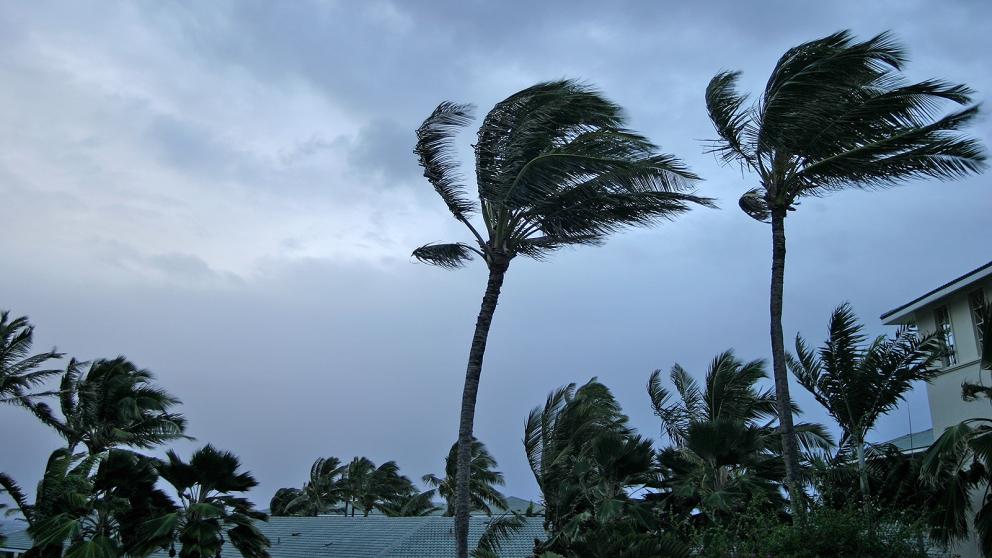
[(862, 469), (789, 447), (497, 270)]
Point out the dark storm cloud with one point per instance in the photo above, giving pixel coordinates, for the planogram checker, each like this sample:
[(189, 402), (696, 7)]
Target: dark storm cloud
[(233, 188)]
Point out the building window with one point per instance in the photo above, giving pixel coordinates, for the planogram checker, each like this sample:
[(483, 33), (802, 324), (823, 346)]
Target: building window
[(943, 321), (977, 303)]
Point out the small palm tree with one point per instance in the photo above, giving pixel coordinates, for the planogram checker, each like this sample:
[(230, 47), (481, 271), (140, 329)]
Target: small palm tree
[(835, 114), (857, 382), (555, 167), (483, 493), (366, 487), (725, 444), (209, 513), (20, 371), (317, 496), (105, 515), (113, 404)]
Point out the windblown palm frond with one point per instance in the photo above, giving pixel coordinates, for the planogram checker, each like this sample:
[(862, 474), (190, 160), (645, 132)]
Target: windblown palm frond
[(500, 528), (20, 371)]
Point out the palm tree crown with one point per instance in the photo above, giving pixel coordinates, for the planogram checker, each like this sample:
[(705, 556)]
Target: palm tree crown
[(482, 491), (837, 114), (113, 404), (554, 167)]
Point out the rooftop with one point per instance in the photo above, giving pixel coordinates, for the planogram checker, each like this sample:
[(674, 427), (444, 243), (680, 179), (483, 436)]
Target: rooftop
[(900, 314), (914, 441)]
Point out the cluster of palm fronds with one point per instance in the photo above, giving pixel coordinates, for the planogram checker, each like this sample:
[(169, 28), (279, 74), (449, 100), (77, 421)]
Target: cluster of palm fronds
[(98, 497)]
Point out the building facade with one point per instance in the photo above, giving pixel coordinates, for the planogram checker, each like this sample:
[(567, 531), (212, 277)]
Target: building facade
[(954, 310)]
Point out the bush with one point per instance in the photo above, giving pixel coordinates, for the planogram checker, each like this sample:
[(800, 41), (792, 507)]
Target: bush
[(848, 533)]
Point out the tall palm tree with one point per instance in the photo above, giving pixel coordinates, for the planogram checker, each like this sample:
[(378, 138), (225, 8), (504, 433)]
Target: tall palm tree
[(725, 450), (20, 371), (857, 382), (113, 404), (209, 513), (483, 493), (835, 114), (555, 167), (366, 487), (319, 493)]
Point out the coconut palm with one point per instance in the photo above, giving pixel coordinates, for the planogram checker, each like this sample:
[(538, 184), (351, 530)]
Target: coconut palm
[(209, 512), (366, 487), (318, 495), (20, 371), (113, 404), (835, 114), (857, 382), (411, 504), (555, 167), (725, 451), (483, 493)]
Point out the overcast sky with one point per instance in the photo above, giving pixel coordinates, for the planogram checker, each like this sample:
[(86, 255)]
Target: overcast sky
[(225, 193)]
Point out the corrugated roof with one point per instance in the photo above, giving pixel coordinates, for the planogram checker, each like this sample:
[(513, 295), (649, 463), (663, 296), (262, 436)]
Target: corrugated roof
[(369, 537)]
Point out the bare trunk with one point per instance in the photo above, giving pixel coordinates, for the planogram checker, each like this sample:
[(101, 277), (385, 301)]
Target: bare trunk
[(789, 446), (497, 270), (862, 469)]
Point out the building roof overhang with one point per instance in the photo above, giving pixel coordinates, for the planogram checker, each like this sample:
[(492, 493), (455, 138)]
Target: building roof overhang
[(904, 313)]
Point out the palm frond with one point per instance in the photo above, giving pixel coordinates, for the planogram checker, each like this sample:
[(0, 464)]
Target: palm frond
[(436, 152), (449, 256), (730, 118)]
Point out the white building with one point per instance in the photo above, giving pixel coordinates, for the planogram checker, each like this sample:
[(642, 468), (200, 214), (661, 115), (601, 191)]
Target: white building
[(953, 308)]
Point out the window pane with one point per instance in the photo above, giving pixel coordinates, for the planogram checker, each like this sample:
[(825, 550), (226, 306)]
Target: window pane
[(943, 321)]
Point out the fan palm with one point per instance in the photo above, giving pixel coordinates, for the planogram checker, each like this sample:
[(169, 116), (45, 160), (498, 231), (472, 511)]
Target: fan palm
[(322, 491), (725, 449), (209, 513), (483, 493), (857, 382), (113, 404), (555, 167), (20, 371), (835, 114)]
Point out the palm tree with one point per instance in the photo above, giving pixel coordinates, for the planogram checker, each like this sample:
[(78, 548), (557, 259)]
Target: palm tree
[(317, 496), (106, 515), (835, 114), (857, 383), (367, 487), (411, 504), (208, 511), (725, 449), (555, 167), (19, 370), (589, 463), (483, 493), (113, 404)]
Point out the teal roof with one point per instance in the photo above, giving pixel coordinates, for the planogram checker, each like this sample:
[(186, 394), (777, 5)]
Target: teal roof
[(370, 537), (18, 541), (913, 442)]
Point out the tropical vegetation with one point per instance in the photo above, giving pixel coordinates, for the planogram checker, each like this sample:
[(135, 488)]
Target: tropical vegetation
[(836, 114), (555, 167)]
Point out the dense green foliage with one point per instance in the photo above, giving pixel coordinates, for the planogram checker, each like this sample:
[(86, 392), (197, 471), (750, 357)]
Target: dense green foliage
[(98, 497), (483, 494)]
